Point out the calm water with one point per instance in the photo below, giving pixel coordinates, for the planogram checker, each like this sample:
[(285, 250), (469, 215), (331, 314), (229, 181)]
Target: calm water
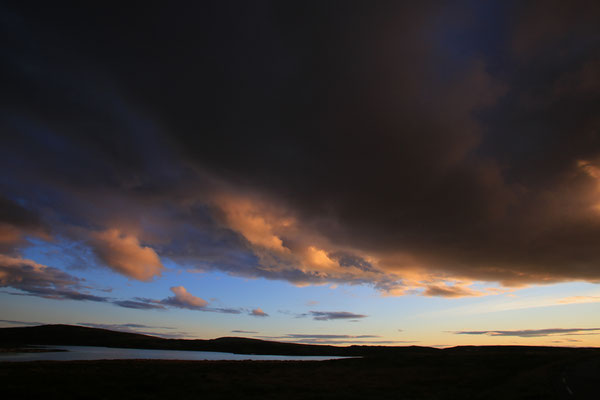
[(75, 353)]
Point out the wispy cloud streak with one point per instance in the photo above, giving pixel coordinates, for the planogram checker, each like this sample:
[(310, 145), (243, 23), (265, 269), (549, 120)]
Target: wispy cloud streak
[(332, 315), (535, 332)]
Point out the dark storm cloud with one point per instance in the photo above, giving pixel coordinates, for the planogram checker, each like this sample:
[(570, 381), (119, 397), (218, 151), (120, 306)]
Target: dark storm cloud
[(535, 332), (16, 221), (394, 144), (13, 214)]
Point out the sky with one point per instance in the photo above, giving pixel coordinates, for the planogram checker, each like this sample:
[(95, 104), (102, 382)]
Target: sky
[(341, 172)]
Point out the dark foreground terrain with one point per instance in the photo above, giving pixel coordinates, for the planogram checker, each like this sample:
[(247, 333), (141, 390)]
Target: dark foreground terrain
[(489, 372)]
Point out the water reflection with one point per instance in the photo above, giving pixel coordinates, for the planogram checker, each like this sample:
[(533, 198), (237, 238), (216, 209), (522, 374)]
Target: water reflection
[(76, 353)]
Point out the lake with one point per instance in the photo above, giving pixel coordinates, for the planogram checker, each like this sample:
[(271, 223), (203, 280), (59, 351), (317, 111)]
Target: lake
[(77, 353)]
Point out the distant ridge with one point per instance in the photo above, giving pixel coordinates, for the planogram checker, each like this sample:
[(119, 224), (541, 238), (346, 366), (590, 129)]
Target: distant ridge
[(75, 335)]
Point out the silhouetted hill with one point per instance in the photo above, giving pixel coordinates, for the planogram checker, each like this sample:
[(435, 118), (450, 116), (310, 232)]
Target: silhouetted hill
[(73, 335), (473, 372), (85, 336)]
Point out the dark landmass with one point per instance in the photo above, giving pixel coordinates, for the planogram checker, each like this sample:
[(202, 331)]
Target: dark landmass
[(458, 375), (8, 349), (85, 336), (465, 372)]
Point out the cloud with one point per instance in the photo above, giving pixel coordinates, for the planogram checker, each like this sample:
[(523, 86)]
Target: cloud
[(183, 299), (33, 279), (257, 226), (449, 291), (579, 299), (332, 315), (242, 331), (133, 325), (16, 222), (257, 312), (333, 339), (140, 304), (318, 336), (340, 342), (381, 176), (41, 281), (11, 322), (223, 310), (284, 250), (535, 332), (566, 341), (124, 254)]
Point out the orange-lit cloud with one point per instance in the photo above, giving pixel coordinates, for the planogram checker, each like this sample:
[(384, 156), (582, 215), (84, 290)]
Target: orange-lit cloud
[(286, 246), (319, 258), (580, 299), (450, 291), (257, 312), (124, 254), (257, 224), (184, 299)]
